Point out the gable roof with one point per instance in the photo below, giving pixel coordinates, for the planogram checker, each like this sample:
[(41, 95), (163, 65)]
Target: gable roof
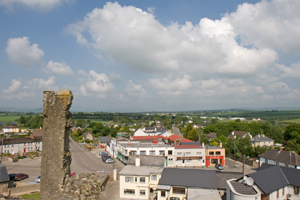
[(86, 133), (104, 139), (195, 178), (211, 135), (272, 177), (237, 133), (261, 138), (148, 160), (282, 156), (174, 137), (37, 132), (186, 140)]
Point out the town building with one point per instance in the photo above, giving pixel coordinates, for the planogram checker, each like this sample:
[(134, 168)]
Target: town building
[(262, 141), (10, 129), (21, 145), (241, 134), (214, 155), (280, 157)]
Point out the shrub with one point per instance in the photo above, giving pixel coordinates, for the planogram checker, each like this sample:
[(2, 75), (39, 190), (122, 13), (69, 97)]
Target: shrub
[(15, 159)]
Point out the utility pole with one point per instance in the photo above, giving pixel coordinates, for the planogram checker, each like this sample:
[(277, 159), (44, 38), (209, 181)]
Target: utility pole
[(244, 166)]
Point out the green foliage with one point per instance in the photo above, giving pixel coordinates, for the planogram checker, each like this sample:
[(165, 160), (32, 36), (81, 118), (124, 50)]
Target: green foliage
[(35, 196), (192, 135)]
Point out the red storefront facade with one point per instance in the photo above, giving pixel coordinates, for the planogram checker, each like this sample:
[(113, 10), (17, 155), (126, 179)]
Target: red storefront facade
[(212, 160)]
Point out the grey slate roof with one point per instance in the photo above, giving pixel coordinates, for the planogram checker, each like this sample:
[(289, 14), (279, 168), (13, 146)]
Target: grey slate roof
[(190, 143), (195, 178), (211, 135), (282, 156), (154, 161), (272, 177), (242, 188), (3, 174), (105, 139), (222, 177), (261, 138), (140, 171)]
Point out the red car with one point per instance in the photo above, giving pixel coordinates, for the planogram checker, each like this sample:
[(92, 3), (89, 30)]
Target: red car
[(21, 176)]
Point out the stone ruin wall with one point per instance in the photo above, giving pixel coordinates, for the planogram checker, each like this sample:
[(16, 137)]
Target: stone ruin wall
[(56, 159)]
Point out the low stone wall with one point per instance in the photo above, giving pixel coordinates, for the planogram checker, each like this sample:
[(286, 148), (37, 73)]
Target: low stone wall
[(83, 186), (24, 189)]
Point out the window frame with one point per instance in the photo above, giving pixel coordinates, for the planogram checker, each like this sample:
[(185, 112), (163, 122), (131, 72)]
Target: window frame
[(126, 191), (128, 179)]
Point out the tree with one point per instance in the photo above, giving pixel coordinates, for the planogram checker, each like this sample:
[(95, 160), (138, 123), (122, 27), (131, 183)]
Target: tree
[(192, 135), (289, 129)]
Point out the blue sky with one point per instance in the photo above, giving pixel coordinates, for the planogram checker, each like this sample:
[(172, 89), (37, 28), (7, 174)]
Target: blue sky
[(159, 55)]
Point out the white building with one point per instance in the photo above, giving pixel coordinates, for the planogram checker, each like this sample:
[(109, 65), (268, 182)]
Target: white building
[(21, 145), (187, 155)]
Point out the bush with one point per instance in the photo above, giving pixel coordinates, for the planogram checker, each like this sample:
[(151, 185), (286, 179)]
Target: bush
[(15, 159)]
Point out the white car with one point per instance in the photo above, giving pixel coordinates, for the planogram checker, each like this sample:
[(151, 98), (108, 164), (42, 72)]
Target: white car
[(109, 160), (38, 179)]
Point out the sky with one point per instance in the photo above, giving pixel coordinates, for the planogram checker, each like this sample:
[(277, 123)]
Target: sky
[(158, 55)]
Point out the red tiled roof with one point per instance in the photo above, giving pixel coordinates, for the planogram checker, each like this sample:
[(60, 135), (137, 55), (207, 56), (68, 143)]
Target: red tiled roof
[(187, 147), (174, 137), (186, 140), (147, 137)]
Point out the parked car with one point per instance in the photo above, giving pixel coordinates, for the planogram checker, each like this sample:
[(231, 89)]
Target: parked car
[(38, 179), (219, 166), (109, 160), (104, 158), (21, 176), (12, 177), (103, 153)]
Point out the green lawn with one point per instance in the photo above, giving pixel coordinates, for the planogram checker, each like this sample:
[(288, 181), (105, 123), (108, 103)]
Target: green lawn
[(31, 196), (9, 118), (297, 121)]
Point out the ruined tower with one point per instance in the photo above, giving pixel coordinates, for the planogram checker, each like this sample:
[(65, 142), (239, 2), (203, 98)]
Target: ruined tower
[(56, 158)]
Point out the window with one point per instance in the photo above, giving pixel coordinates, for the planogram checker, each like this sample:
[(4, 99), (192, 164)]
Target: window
[(179, 153), (126, 151), (163, 193), (135, 179), (178, 190), (199, 153), (129, 179), (129, 191), (152, 152), (296, 190), (142, 179), (170, 152), (142, 192), (211, 153), (277, 193), (153, 177), (218, 153), (142, 152), (188, 153), (282, 191), (170, 160), (161, 153), (188, 160), (133, 153)]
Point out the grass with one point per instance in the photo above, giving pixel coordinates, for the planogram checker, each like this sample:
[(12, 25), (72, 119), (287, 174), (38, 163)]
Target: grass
[(31, 196), (297, 121), (9, 118)]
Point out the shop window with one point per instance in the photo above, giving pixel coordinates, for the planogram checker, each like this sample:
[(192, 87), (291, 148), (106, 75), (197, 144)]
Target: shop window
[(129, 191), (152, 152), (142, 152), (161, 153), (178, 190), (133, 152)]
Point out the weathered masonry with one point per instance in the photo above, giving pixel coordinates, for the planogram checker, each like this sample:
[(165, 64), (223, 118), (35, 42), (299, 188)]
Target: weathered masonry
[(56, 158)]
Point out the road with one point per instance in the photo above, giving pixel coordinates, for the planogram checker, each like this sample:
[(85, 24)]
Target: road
[(176, 130), (83, 161)]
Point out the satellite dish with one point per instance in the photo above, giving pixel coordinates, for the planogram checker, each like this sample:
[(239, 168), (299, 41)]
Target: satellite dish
[(249, 181)]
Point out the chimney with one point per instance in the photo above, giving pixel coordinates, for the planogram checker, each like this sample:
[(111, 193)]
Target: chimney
[(220, 144), (137, 161), (203, 144)]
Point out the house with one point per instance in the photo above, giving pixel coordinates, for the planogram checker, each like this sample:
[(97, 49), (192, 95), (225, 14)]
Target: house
[(10, 129), (280, 157), (139, 182), (126, 149), (152, 161), (37, 133), (192, 184), (214, 155), (211, 135), (174, 139), (261, 140), (186, 155), (87, 136), (148, 138), (21, 145), (241, 134), (270, 182), (104, 140)]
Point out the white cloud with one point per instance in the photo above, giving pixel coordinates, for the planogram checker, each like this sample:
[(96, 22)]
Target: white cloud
[(167, 86), (134, 38), (268, 24), (58, 68), (19, 51), (292, 71), (34, 4), (15, 84), (135, 90), (37, 83), (95, 83)]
